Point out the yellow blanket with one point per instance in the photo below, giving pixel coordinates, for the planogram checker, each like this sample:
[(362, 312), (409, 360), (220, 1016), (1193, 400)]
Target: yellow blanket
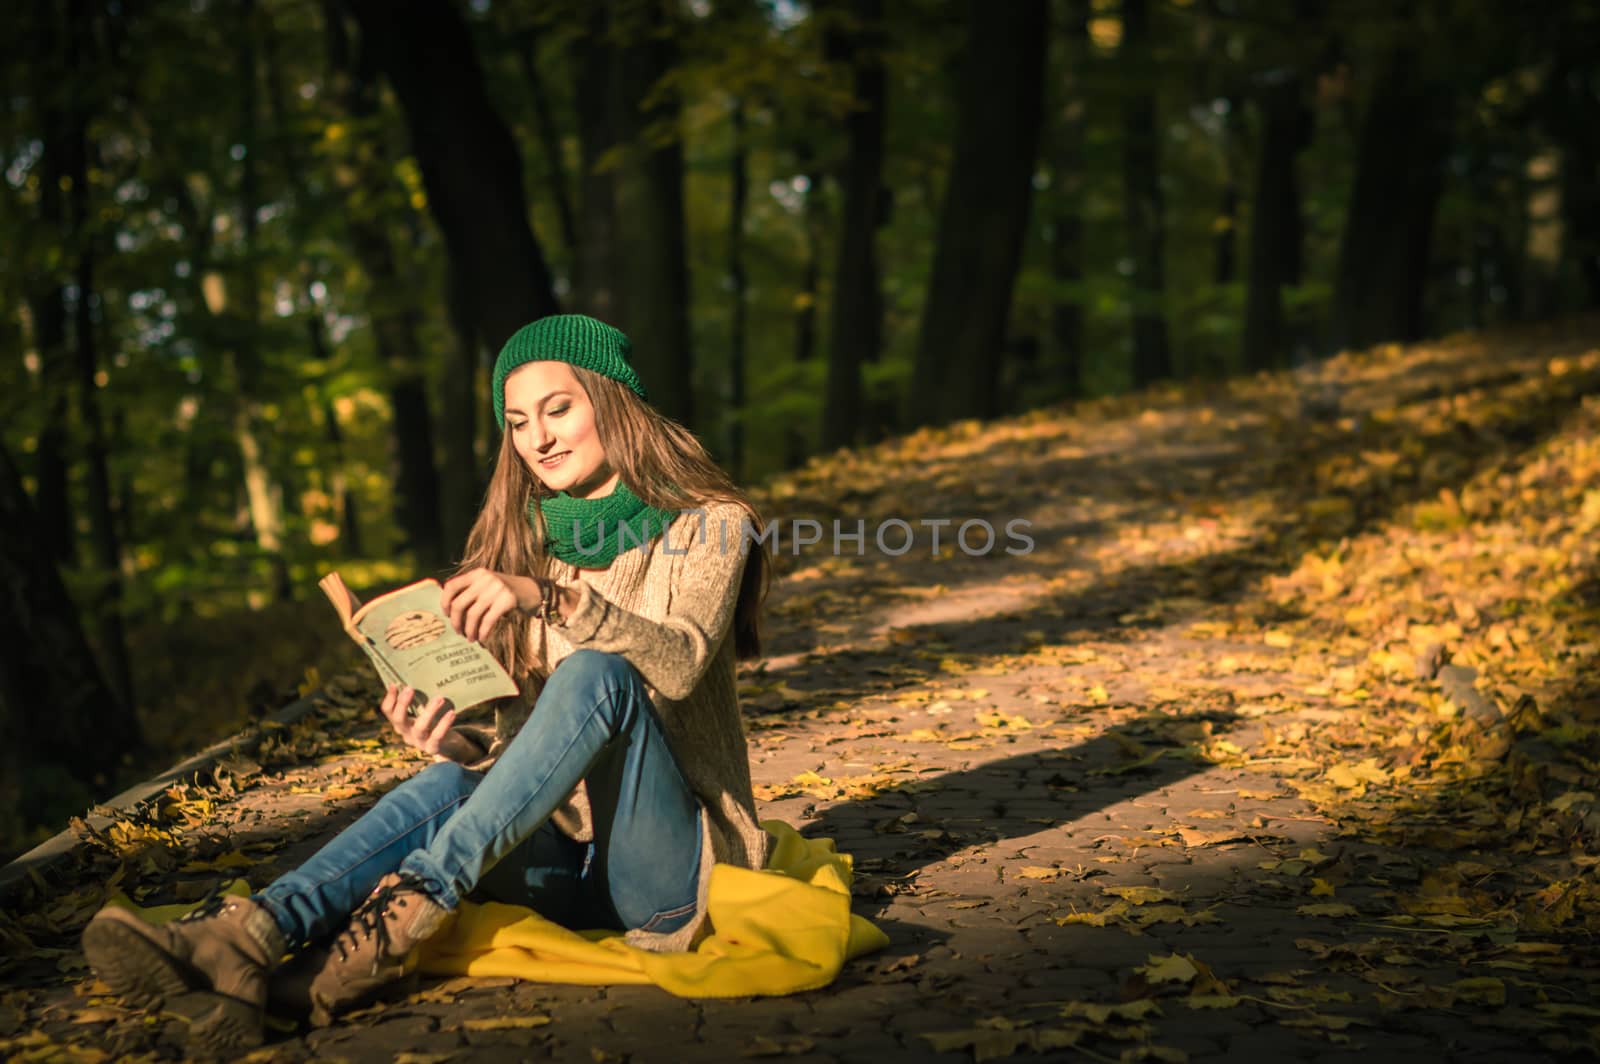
[(778, 931)]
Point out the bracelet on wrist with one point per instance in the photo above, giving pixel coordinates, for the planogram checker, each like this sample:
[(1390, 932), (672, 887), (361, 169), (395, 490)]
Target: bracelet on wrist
[(550, 603)]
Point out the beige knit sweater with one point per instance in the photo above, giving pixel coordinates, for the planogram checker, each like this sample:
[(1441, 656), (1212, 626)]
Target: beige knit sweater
[(668, 609)]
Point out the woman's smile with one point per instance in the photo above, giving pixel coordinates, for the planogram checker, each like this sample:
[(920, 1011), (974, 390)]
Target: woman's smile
[(554, 460)]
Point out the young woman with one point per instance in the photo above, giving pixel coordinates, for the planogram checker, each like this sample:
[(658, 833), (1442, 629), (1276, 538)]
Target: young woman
[(611, 571)]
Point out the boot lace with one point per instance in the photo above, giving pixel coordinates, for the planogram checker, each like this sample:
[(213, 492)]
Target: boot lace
[(209, 906), (368, 922)]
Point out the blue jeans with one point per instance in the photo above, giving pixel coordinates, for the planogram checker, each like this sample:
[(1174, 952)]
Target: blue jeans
[(489, 833)]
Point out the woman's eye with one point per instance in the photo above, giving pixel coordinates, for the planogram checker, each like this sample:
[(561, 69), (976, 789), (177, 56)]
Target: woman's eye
[(558, 411), (518, 426)]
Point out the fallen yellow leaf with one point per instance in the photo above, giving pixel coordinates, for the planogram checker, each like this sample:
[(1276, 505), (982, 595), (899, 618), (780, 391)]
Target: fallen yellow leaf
[(1128, 1011), (1176, 968), (505, 1023), (1211, 1001), (1140, 895)]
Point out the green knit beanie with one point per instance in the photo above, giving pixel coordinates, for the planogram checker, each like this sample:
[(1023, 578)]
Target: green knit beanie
[(576, 339)]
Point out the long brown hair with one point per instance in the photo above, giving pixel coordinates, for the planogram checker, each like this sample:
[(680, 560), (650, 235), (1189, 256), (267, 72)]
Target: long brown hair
[(665, 465)]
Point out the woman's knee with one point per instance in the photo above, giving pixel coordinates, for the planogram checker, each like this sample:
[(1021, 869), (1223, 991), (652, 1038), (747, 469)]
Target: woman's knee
[(593, 670), (440, 783)]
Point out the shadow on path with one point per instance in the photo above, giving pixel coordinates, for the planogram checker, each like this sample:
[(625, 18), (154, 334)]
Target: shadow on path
[(1020, 796)]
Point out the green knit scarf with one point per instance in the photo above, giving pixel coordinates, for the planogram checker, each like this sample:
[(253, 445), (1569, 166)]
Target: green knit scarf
[(590, 533)]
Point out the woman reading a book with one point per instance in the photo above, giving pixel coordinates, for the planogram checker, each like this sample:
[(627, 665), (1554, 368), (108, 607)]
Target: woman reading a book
[(611, 572)]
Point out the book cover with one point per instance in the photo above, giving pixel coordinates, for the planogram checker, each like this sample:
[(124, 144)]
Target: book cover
[(410, 642)]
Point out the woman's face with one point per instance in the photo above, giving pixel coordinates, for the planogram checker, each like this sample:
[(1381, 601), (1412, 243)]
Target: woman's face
[(551, 423)]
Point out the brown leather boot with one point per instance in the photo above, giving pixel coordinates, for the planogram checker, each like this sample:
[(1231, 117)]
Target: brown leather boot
[(378, 947), (289, 987), (220, 955)]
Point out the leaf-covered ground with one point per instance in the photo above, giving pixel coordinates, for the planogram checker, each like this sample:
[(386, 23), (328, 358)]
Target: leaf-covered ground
[(1282, 744)]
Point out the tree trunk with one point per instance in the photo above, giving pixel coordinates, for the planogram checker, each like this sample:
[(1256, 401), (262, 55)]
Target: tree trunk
[(266, 510), (1226, 243), (1383, 254), (652, 248), (57, 713), (46, 299), (1580, 199), (53, 499), (346, 515), (632, 261), (1506, 253), (344, 500), (392, 308), (1276, 229), (123, 507), (555, 170), (263, 501), (739, 180), (463, 479), (1066, 221), (857, 327), (469, 162), (1573, 105), (810, 290), (798, 437), (596, 278), (984, 214), (105, 604), (1146, 212), (417, 506)]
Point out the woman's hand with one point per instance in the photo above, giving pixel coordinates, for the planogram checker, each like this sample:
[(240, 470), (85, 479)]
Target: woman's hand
[(426, 730), (430, 730), (476, 600)]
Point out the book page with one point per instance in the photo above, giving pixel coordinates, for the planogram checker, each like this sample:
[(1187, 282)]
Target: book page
[(406, 630), (343, 599)]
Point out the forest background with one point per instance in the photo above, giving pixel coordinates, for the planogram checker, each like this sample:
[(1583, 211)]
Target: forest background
[(259, 255)]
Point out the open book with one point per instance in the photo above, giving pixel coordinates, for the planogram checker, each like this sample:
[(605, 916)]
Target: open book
[(411, 643)]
